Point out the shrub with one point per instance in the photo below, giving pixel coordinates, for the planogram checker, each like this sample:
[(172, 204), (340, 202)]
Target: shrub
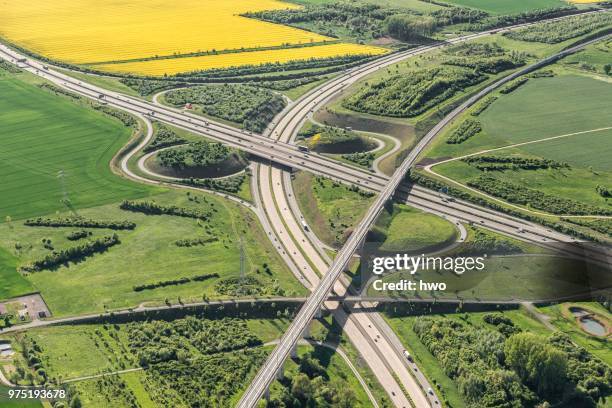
[(173, 282), (76, 235)]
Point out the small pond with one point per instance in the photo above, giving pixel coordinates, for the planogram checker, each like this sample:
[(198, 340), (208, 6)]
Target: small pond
[(593, 326), (588, 323)]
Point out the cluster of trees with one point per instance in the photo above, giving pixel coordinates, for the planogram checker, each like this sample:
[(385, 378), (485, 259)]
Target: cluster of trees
[(563, 227), (34, 373), (194, 154), (489, 58), (408, 96), (364, 20), (518, 194), (152, 208), (247, 105), (501, 163), (503, 324), (456, 15), (466, 130), (76, 235), (409, 27), (515, 369), (531, 16), (364, 159), (483, 105), (164, 137), (513, 85), (203, 381), (59, 91), (7, 66), (173, 282), (604, 191), (593, 376), (194, 241), (146, 87), (553, 32), (473, 358), (248, 286), (290, 83), (158, 340), (73, 254), (486, 243), (79, 222), (114, 390), (600, 225), (546, 73), (125, 118), (311, 387), (227, 184)]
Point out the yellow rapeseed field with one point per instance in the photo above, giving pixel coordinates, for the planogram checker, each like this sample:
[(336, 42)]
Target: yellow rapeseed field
[(89, 31), (188, 64)]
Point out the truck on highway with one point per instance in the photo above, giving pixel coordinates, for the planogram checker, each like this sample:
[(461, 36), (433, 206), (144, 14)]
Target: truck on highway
[(303, 148), (304, 225)]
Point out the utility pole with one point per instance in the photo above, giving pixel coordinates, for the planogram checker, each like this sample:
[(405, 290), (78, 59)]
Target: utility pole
[(61, 175)]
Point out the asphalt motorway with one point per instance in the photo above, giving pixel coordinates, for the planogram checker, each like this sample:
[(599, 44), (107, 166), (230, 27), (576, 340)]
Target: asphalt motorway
[(275, 361)]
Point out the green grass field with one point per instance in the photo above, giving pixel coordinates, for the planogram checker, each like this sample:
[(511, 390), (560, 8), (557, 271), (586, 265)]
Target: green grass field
[(148, 254), (11, 282), (43, 134), (540, 109), (506, 6), (410, 229)]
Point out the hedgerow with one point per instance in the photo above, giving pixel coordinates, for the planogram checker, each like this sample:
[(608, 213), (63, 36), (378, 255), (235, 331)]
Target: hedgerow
[(79, 222), (146, 87), (125, 118), (513, 85), (502, 163), (152, 208), (59, 91), (518, 194), (173, 282), (186, 243), (466, 130), (74, 254), (483, 105)]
